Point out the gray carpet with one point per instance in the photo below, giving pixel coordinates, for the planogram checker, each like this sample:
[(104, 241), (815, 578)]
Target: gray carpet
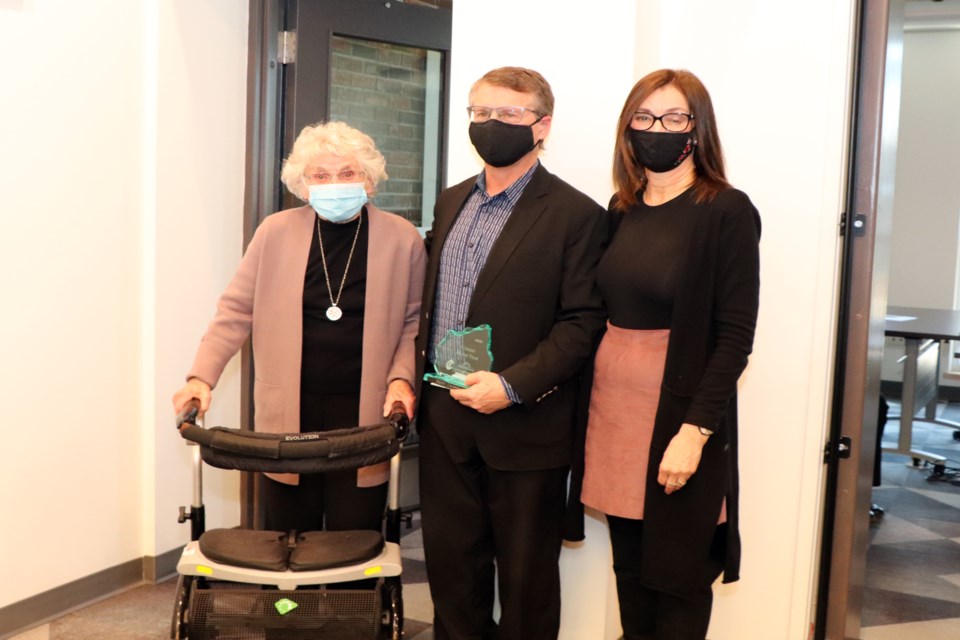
[(913, 562)]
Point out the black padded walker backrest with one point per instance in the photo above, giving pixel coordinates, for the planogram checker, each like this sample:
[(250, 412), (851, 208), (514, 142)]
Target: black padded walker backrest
[(311, 452)]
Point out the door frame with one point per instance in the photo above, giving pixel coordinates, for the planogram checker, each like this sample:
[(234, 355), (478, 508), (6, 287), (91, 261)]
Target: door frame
[(262, 193), (862, 314)]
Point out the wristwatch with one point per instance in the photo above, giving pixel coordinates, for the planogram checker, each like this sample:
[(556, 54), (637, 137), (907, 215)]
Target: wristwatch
[(705, 432)]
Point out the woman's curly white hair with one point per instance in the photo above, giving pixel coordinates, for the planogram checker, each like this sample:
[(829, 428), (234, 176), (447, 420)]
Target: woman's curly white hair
[(339, 139)]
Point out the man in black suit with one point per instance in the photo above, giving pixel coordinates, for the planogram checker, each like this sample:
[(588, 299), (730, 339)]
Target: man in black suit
[(515, 248)]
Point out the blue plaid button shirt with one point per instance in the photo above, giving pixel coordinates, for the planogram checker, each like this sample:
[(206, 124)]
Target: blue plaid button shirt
[(465, 251)]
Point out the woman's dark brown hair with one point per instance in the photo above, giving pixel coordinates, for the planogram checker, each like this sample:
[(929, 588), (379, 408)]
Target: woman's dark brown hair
[(629, 176)]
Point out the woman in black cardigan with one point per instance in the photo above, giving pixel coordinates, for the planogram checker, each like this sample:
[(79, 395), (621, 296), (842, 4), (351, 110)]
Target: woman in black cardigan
[(681, 282)]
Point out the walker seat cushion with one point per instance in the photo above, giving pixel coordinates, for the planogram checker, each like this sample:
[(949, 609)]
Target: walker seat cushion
[(266, 550), (272, 551), (317, 550)]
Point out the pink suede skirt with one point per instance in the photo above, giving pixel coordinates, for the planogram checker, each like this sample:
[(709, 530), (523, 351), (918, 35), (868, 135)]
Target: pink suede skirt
[(627, 376)]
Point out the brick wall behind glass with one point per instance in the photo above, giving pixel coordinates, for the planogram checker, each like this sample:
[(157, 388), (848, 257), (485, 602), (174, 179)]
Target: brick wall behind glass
[(380, 89)]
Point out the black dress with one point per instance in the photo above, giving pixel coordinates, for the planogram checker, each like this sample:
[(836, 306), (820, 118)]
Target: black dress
[(330, 385)]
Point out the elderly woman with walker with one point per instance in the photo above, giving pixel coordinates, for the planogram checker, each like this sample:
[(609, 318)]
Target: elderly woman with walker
[(330, 294)]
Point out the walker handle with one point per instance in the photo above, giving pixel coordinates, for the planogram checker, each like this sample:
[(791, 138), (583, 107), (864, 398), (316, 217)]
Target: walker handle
[(189, 413), (398, 418)]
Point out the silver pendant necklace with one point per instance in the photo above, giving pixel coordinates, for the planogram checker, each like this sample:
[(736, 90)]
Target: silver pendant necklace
[(334, 312)]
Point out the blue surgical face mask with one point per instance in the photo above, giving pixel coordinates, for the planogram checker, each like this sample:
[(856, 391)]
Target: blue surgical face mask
[(338, 201)]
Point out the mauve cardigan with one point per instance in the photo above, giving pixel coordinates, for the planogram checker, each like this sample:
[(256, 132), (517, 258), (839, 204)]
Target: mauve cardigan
[(265, 299)]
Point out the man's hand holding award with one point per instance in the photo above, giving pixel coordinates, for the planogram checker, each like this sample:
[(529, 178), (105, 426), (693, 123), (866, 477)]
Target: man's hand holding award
[(462, 363), (459, 354)]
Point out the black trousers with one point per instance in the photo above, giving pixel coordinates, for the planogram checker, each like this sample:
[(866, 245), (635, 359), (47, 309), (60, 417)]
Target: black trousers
[(476, 517), (882, 411), (649, 614), (324, 501)]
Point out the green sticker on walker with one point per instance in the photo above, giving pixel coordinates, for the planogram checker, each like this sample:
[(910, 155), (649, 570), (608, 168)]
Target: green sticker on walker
[(285, 606)]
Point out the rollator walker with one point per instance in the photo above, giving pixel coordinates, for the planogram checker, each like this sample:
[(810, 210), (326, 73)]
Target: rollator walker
[(314, 585)]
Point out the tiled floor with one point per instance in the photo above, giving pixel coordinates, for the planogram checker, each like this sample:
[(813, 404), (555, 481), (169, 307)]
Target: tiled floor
[(912, 587)]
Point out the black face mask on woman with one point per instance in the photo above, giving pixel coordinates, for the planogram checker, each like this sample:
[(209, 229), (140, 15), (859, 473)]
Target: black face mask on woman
[(501, 144), (661, 151)]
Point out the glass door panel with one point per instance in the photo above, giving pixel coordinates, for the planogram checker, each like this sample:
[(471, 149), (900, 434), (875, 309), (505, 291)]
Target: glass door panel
[(393, 93)]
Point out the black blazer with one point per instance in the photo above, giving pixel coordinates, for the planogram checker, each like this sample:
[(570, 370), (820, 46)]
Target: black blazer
[(538, 292)]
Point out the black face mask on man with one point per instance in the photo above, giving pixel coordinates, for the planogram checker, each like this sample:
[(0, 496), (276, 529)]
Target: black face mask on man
[(661, 151), (500, 144)]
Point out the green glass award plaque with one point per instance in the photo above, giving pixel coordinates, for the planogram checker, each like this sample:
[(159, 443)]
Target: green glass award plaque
[(461, 353)]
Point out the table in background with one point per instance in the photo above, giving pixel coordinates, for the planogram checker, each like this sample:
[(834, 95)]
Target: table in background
[(922, 331)]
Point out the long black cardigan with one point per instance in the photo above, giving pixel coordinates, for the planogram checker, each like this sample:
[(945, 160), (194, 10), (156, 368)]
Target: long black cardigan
[(711, 336)]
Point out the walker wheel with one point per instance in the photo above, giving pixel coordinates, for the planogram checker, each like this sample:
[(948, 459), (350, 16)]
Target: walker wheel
[(392, 610), (180, 625)]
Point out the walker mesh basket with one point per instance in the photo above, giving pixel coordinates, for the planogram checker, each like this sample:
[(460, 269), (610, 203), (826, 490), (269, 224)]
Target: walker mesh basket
[(231, 611)]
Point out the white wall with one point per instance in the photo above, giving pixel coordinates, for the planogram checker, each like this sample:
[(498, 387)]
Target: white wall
[(199, 187), (69, 185), (925, 242), (122, 126), (779, 77), (926, 214)]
